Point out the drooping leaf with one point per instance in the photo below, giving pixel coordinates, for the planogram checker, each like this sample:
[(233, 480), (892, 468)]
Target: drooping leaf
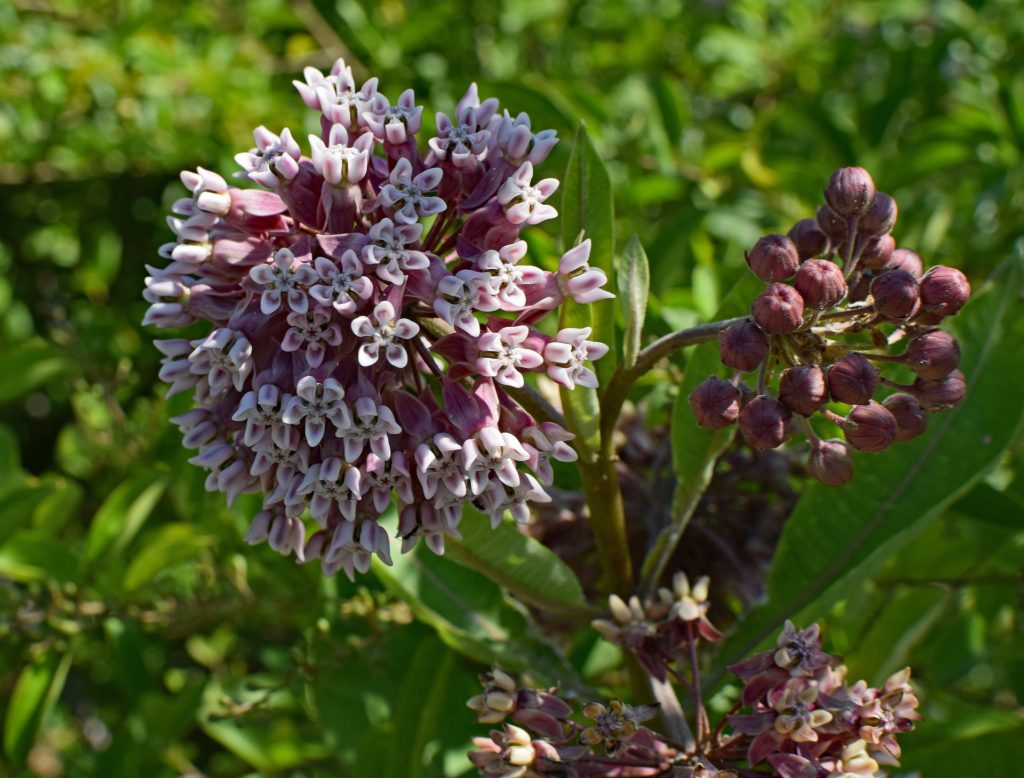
[(995, 753), (528, 569), (31, 555), (170, 545), (28, 366), (122, 515), (35, 693), (837, 539), (633, 277)]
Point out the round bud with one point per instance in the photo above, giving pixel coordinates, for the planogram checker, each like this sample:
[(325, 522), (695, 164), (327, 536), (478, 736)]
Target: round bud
[(870, 427), (876, 252), (803, 390), (911, 419), (820, 283), (808, 238), (850, 192), (773, 258), (895, 294), (742, 346), (715, 403), (832, 225), (933, 355), (853, 380), (830, 462), (880, 218), (779, 309), (944, 290), (905, 259), (764, 422), (943, 394)]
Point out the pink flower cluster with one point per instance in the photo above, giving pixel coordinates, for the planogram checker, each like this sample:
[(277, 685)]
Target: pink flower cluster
[(806, 722), (372, 314)]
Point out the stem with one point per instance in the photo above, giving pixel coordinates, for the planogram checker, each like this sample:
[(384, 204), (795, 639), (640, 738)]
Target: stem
[(703, 725), (684, 503), (672, 713)]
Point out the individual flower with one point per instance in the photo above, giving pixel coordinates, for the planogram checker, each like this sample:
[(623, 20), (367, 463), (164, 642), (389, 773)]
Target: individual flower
[(338, 161), (384, 330), (578, 280), (407, 196), (341, 284), (567, 354), (523, 201), (503, 354), (314, 404), (283, 279), (274, 161)]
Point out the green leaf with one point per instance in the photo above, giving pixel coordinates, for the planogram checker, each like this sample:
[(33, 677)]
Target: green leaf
[(28, 366), (170, 545), (122, 515), (30, 555), (470, 614), (633, 278), (587, 207), (20, 495), (996, 753), (837, 539), (10, 456), (34, 695), (696, 449), (528, 569)]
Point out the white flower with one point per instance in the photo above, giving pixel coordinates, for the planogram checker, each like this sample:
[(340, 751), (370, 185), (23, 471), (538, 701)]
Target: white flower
[(506, 276), (224, 357), (501, 355), (369, 422), (353, 546), (314, 331), (331, 483), (395, 124), (566, 356), (440, 461), (261, 411), (523, 202), (338, 162), (499, 498), (317, 403), (458, 296), (492, 451), (283, 275), (382, 477), (386, 250), (209, 191), (385, 331), (274, 161), (544, 443), (342, 288), (407, 196)]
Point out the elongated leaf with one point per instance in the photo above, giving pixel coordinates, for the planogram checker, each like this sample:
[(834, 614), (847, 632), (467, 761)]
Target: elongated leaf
[(35, 693), (695, 449), (30, 555), (836, 539), (633, 277), (528, 569), (122, 515), (470, 614), (995, 753), (170, 545), (28, 366)]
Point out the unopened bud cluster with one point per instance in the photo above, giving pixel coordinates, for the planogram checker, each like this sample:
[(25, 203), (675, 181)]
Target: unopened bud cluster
[(804, 719), (839, 299), (371, 312)]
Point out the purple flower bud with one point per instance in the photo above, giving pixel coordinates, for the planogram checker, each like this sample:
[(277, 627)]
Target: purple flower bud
[(911, 419), (880, 218), (764, 422), (820, 283), (933, 355), (853, 380), (779, 309), (830, 462), (803, 390), (870, 427), (831, 224), (850, 192), (944, 291), (905, 259), (895, 294), (715, 403), (742, 346), (877, 252), (943, 394), (809, 239), (773, 258)]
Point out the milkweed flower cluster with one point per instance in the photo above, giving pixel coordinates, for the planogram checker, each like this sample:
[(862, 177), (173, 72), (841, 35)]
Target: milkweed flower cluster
[(372, 311), (807, 722), (839, 297)]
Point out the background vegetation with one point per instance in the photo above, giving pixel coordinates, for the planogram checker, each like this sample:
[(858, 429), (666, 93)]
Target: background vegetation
[(139, 636)]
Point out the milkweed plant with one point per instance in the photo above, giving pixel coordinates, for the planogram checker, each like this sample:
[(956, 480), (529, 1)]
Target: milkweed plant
[(377, 339)]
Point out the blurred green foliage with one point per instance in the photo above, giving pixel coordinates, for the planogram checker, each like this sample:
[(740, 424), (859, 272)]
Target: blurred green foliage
[(138, 635)]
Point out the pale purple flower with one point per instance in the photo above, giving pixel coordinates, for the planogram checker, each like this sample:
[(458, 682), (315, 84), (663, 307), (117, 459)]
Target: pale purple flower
[(387, 248), (578, 280), (192, 247), (520, 144), (286, 534), (524, 202), (372, 423), (506, 276), (499, 498), (492, 451), (274, 161), (458, 296), (353, 546), (502, 355), (224, 358), (335, 95), (285, 461), (441, 461), (313, 331), (546, 442), (331, 484), (343, 288), (228, 470), (283, 275), (209, 191), (396, 123), (198, 427), (383, 477), (459, 142), (168, 296), (424, 521), (567, 354), (407, 196), (384, 330), (175, 367), (341, 163), (261, 410), (317, 403)]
